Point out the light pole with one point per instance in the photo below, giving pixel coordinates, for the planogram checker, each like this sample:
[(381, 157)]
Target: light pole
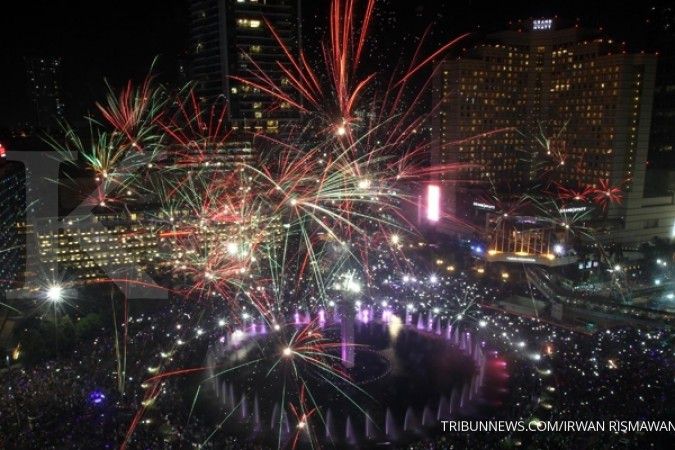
[(55, 296)]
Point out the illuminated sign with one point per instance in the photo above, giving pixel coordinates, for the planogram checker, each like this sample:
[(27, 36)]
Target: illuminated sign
[(433, 203), (3, 152), (520, 259), (542, 24), (483, 205), (574, 209)]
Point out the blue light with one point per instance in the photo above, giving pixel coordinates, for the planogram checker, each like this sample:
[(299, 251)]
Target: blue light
[(96, 397)]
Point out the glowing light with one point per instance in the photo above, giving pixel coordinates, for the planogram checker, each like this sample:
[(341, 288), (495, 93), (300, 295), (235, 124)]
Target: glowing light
[(433, 203), (16, 352), (483, 205), (364, 184), (433, 279), (55, 294), (558, 249), (287, 352), (482, 323), (542, 24), (232, 248), (96, 397), (395, 239)]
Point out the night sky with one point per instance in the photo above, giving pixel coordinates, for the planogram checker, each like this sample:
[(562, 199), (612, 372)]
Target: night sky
[(118, 40)]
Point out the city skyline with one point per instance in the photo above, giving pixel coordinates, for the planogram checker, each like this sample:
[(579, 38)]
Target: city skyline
[(348, 224), (144, 23)]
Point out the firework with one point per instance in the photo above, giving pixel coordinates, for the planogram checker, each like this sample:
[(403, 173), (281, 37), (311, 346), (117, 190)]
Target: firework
[(259, 227)]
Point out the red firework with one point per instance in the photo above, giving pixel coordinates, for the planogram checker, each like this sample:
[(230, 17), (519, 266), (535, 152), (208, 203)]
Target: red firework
[(605, 194)]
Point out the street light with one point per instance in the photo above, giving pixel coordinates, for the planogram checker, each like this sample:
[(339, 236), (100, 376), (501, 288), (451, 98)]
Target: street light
[(55, 294)]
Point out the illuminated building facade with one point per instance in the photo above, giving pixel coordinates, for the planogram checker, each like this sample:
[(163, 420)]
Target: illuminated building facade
[(44, 91), (12, 223), (661, 26), (527, 239), (128, 244), (230, 38), (566, 105)]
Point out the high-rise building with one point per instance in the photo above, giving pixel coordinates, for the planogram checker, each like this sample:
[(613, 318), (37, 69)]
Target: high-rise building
[(566, 105), (44, 91), (12, 223), (661, 32), (231, 38)]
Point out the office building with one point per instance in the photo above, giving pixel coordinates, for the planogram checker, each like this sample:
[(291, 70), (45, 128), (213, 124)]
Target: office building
[(661, 35), (45, 91), (537, 104), (231, 38), (12, 223)]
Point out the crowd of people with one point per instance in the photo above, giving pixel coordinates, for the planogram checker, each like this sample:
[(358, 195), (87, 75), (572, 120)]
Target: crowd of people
[(78, 401)]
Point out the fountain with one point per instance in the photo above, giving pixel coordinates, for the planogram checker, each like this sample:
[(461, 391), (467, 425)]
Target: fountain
[(230, 397), (389, 425), (427, 417), (347, 333), (275, 417), (329, 426), (243, 408), (410, 421), (369, 428), (454, 400), (412, 347), (420, 322), (285, 424), (350, 434), (443, 410), (464, 399), (256, 413)]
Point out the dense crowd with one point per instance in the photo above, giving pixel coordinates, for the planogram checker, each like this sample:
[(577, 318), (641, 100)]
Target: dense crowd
[(555, 374)]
